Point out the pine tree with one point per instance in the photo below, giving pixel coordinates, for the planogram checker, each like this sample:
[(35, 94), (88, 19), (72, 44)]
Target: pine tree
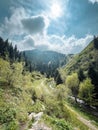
[(96, 42), (81, 75)]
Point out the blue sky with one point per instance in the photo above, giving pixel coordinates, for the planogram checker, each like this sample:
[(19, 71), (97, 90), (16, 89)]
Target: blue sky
[(65, 26)]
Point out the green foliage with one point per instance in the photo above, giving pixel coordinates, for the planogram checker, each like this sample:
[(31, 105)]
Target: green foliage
[(8, 52), (7, 114), (57, 78), (46, 62), (72, 82), (81, 75), (15, 97), (22, 92), (22, 114), (38, 106), (16, 78), (53, 107), (13, 125), (5, 70), (83, 112), (60, 92), (86, 65), (86, 91), (73, 117), (11, 74), (93, 74), (96, 42), (57, 124)]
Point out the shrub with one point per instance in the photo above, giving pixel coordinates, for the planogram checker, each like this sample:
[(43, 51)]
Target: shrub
[(7, 114), (13, 125), (57, 124)]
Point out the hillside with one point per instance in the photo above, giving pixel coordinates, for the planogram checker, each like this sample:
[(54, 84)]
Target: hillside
[(84, 64), (29, 100), (46, 61), (89, 56)]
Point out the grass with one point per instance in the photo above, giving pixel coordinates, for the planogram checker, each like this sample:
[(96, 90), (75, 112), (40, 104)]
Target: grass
[(84, 112), (57, 124), (68, 114), (58, 115), (81, 60), (73, 118)]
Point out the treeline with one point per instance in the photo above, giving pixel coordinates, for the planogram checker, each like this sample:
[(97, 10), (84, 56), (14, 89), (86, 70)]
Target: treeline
[(96, 42), (11, 53), (81, 87), (81, 74), (46, 62), (44, 69), (15, 101), (84, 87), (8, 52)]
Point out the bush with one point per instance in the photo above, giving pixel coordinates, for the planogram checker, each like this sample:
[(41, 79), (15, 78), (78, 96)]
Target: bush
[(7, 114), (13, 125), (57, 124), (38, 106)]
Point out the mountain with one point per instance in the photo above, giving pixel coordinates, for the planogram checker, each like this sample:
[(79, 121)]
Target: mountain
[(85, 64), (46, 61), (84, 60), (30, 100)]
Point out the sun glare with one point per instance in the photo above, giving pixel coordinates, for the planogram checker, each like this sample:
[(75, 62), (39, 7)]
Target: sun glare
[(56, 10)]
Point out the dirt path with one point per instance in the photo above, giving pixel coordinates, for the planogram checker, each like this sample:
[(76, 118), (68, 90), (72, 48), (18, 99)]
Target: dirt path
[(83, 120), (87, 123), (40, 126)]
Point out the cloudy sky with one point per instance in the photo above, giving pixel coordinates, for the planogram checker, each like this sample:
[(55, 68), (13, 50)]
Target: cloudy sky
[(65, 26)]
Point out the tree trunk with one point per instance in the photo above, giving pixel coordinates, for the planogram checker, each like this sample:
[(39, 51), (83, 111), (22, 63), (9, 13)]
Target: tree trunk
[(75, 99)]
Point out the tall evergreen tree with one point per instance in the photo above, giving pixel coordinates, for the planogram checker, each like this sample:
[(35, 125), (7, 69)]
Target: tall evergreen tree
[(81, 75), (96, 42)]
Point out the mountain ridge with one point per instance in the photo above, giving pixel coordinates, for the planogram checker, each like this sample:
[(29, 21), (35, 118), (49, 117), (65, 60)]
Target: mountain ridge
[(46, 61), (85, 64)]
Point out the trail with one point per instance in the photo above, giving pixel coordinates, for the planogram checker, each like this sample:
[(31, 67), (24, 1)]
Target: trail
[(83, 120), (87, 123)]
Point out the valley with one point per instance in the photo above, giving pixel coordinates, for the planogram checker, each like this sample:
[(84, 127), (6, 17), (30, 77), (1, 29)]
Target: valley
[(29, 99), (48, 64)]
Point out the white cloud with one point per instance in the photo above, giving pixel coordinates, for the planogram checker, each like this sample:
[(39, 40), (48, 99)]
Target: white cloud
[(26, 44), (69, 45), (20, 23), (32, 42), (76, 45), (12, 26), (55, 43), (93, 1), (33, 32)]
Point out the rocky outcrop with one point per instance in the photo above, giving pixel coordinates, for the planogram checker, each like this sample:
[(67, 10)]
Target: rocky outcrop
[(38, 125)]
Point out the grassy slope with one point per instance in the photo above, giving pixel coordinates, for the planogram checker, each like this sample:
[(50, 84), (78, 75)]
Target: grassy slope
[(82, 60), (16, 103), (20, 102), (71, 117)]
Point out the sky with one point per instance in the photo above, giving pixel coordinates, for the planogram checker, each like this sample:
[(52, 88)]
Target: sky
[(65, 26)]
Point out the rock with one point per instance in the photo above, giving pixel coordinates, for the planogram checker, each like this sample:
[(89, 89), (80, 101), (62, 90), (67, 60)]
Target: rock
[(38, 116), (36, 125), (31, 115)]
